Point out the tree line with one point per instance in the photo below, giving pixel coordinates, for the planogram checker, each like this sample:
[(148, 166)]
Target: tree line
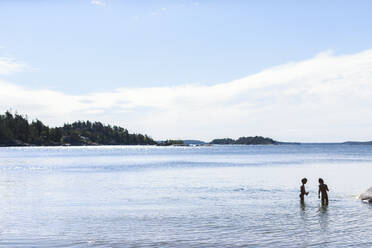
[(16, 130), (253, 140)]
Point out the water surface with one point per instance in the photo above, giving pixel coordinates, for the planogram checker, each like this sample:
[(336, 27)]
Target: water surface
[(218, 196)]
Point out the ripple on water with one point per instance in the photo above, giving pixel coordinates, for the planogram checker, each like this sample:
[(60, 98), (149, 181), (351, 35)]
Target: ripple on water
[(224, 196)]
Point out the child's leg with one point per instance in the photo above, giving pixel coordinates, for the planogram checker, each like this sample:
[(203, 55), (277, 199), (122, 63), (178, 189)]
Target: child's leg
[(324, 199)]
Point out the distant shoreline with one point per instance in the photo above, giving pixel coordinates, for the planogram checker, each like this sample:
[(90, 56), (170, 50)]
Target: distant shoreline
[(17, 131), (350, 143)]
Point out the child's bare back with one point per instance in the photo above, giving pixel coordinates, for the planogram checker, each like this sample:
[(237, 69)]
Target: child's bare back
[(323, 188)]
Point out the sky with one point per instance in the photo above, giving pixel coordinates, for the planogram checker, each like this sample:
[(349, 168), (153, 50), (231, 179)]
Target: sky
[(289, 70)]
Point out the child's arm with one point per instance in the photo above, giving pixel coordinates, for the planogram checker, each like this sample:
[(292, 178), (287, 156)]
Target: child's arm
[(326, 187), (306, 192)]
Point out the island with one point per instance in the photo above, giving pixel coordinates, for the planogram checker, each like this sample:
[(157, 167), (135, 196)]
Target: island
[(16, 130), (252, 140)]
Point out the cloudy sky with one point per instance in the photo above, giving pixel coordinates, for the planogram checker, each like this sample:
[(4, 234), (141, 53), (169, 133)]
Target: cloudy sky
[(290, 70)]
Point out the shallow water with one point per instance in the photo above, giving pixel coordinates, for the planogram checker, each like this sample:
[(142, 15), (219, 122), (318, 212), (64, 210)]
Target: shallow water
[(218, 196)]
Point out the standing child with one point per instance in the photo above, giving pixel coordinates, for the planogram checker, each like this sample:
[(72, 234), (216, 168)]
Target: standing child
[(302, 189), (323, 188)]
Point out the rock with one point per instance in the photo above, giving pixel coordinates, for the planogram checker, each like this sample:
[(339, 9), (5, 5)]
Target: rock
[(366, 196)]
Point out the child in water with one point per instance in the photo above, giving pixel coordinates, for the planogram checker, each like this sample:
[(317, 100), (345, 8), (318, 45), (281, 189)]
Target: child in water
[(303, 191), (323, 188)]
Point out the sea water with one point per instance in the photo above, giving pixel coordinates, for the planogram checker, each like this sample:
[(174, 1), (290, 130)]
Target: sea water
[(206, 196)]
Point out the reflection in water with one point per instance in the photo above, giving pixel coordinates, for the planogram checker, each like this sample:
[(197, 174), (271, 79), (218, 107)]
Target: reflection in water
[(323, 208), (323, 218), (303, 215)]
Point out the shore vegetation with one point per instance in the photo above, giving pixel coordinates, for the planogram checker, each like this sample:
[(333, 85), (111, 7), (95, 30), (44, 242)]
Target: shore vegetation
[(16, 130)]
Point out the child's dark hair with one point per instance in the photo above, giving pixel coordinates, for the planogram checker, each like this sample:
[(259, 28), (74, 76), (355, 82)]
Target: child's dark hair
[(321, 181), (304, 180)]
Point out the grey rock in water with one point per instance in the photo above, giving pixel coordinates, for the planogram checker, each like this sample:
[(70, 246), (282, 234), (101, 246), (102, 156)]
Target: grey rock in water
[(366, 196)]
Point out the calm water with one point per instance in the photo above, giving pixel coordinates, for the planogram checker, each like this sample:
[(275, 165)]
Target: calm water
[(219, 196)]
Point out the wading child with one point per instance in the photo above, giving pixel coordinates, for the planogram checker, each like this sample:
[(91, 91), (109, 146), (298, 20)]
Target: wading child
[(302, 189), (323, 188)]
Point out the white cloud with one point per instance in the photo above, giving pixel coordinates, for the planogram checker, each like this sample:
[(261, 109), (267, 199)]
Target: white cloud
[(9, 66), (98, 2), (326, 98), (159, 11)]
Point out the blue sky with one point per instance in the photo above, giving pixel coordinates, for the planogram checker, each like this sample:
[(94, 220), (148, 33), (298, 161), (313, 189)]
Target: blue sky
[(82, 48), (76, 46)]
